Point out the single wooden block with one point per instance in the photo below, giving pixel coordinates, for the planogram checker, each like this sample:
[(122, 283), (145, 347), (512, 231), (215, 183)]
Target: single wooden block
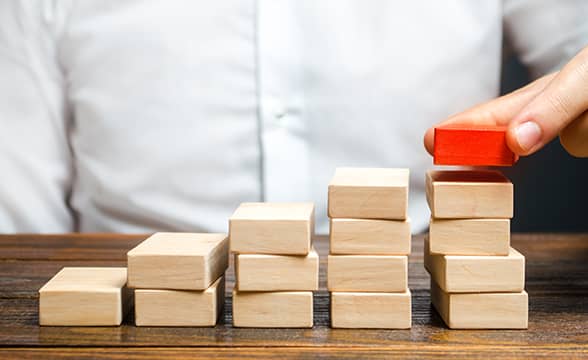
[(369, 237), (369, 273), (466, 194), (272, 228), (359, 310), (472, 146), (255, 272), (469, 236), (178, 261), (369, 193), (481, 311), (180, 307), (79, 296), (283, 309), (470, 273)]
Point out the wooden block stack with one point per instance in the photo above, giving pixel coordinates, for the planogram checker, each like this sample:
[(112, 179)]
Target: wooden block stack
[(178, 279), (477, 279), (369, 248), (276, 266)]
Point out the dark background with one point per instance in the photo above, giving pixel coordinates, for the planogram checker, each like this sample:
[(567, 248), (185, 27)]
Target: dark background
[(551, 186)]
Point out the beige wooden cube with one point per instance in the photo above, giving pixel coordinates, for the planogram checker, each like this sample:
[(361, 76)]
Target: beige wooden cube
[(472, 273), (481, 310), (459, 194), (85, 296), (469, 236), (369, 273), (371, 310), (370, 237), (272, 228), (180, 307), (178, 261), (369, 193), (282, 309), (259, 272)]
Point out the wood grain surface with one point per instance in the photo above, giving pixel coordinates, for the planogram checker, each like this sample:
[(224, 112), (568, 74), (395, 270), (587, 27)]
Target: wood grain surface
[(557, 283)]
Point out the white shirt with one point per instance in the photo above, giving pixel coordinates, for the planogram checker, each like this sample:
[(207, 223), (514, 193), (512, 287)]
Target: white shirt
[(136, 116)]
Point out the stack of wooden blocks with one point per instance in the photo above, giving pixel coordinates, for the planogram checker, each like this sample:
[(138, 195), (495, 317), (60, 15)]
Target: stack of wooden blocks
[(179, 279), (477, 279), (276, 267), (369, 248)]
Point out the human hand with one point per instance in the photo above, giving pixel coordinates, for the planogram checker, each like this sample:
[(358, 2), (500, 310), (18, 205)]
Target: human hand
[(537, 113)]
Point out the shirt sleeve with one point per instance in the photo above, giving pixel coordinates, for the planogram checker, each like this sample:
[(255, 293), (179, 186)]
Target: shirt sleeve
[(546, 33), (35, 159)]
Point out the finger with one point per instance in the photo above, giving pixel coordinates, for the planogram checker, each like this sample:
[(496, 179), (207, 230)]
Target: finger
[(495, 112), (564, 99), (574, 138)]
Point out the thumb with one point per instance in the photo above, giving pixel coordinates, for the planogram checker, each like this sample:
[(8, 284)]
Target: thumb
[(561, 101)]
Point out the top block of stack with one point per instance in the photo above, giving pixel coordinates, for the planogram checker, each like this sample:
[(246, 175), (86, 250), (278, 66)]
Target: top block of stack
[(272, 228), (469, 194), (182, 261), (369, 193), (473, 146)]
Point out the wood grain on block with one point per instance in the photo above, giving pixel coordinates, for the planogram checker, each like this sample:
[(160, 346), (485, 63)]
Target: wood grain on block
[(272, 228), (370, 273), (258, 272), (472, 146), (459, 194), (178, 261), (78, 296), (180, 307), (369, 193), (370, 237), (282, 309), (469, 236), (482, 310), (472, 273), (371, 310)]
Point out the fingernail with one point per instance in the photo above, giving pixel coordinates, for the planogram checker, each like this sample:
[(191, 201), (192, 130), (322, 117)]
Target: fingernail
[(528, 135)]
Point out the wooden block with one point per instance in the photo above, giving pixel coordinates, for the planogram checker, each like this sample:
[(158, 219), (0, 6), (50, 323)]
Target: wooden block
[(358, 310), (472, 146), (469, 194), (78, 296), (285, 309), (178, 261), (255, 272), (469, 236), (370, 237), (467, 273), (272, 228), (180, 307), (481, 311), (369, 193), (369, 273)]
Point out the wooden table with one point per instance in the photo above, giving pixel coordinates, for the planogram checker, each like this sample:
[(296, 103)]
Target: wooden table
[(557, 282)]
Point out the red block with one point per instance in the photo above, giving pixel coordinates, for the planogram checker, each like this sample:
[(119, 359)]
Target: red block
[(472, 146)]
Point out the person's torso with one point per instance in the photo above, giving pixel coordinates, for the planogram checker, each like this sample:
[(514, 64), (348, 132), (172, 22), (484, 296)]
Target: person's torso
[(182, 110)]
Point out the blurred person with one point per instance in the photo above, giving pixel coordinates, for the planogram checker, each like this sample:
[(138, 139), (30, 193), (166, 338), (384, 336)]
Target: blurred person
[(138, 116)]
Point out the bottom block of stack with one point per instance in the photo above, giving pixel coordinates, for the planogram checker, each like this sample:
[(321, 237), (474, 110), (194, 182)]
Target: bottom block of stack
[(481, 310), (371, 310), (79, 296), (282, 309), (180, 307)]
